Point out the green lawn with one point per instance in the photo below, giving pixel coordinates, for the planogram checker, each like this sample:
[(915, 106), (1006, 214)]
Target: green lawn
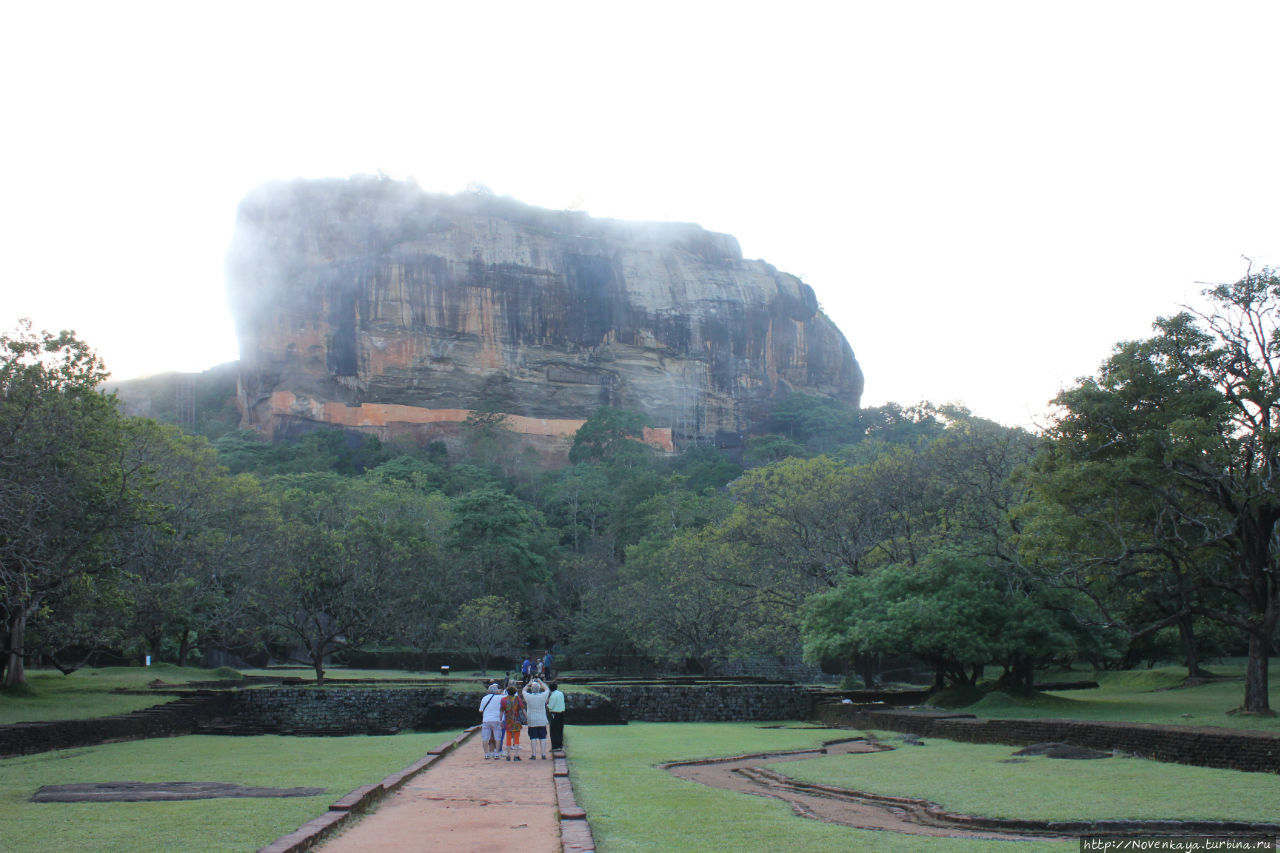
[(335, 764), (972, 778), (85, 693), (1145, 696), (634, 806)]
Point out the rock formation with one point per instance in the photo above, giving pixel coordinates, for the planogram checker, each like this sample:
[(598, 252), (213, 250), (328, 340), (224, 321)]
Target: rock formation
[(368, 303)]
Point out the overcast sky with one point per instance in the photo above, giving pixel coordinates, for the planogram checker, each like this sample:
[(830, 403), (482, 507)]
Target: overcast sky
[(985, 196)]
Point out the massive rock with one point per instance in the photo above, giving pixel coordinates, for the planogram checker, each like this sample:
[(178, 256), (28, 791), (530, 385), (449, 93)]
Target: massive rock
[(368, 303)]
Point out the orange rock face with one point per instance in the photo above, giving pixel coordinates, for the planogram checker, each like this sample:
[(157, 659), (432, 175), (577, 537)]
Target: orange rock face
[(370, 305)]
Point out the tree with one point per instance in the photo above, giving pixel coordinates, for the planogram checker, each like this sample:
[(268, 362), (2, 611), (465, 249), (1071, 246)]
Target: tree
[(954, 612), (812, 520), (819, 423), (1193, 414), (488, 625), (327, 588), (677, 610), (612, 436), (170, 567), (502, 538), (580, 502), (1102, 528), (398, 532), (64, 483)]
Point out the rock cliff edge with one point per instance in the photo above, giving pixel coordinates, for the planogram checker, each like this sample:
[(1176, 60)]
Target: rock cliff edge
[(367, 303)]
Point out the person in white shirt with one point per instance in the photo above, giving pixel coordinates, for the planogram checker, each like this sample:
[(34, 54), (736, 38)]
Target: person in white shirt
[(535, 697), (491, 722)]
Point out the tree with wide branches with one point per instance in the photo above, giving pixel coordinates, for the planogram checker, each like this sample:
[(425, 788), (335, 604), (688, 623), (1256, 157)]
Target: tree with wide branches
[(65, 481), (1192, 415)]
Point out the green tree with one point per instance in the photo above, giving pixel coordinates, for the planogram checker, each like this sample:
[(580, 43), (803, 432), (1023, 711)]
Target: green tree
[(64, 487), (820, 424), (1102, 528), (612, 436), (954, 612), (1194, 411), (502, 540), (677, 610), (580, 503), (330, 584), (170, 568), (488, 625)]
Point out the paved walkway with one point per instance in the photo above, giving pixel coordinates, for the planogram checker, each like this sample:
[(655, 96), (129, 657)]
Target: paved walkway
[(463, 804)]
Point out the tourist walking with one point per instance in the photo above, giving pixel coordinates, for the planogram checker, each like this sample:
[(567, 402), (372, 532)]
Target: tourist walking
[(535, 697), (513, 718), (546, 664), (491, 722), (555, 715)]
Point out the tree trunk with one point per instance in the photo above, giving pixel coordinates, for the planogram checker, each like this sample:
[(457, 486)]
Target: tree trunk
[(865, 665), (16, 673), (153, 646), (184, 646), (1256, 700), (1190, 648), (317, 660), (1024, 675)]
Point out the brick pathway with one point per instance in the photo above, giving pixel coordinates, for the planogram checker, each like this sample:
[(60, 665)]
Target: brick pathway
[(463, 804)]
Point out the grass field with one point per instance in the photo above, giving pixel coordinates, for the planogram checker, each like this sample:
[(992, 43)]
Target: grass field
[(335, 764), (635, 807), (1144, 696), (974, 779), (85, 693)]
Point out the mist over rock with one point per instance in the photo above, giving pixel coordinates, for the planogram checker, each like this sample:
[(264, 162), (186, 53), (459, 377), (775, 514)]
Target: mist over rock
[(369, 303)]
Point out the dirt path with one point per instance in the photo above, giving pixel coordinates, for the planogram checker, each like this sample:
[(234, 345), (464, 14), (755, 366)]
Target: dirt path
[(463, 804), (863, 811)]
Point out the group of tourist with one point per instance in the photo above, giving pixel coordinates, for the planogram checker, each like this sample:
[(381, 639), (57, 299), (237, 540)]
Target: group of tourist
[(537, 668), (506, 711)]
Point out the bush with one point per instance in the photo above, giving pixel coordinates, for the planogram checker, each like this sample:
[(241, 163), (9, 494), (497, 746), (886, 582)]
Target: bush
[(958, 697)]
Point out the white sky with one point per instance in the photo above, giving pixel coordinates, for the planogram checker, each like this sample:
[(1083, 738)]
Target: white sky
[(985, 196)]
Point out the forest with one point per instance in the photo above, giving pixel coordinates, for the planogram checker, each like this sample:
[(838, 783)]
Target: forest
[(1139, 525)]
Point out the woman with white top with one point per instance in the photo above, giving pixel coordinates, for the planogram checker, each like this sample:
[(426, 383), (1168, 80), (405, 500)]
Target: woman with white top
[(535, 697), (491, 722)]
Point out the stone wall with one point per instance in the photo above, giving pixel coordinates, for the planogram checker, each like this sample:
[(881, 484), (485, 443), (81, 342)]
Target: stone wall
[(179, 717), (371, 710), (775, 668), (708, 702), (1202, 746), (377, 710)]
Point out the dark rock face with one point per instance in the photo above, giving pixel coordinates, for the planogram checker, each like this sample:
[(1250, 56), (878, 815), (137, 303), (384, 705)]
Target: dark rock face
[(368, 303)]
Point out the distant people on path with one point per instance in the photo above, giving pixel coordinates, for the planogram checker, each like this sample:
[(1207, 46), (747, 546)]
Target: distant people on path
[(535, 697), (491, 722), (555, 715), (546, 664), (513, 718), (526, 669)]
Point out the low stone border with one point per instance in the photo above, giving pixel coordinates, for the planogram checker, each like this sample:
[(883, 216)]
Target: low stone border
[(361, 799), (575, 831)]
